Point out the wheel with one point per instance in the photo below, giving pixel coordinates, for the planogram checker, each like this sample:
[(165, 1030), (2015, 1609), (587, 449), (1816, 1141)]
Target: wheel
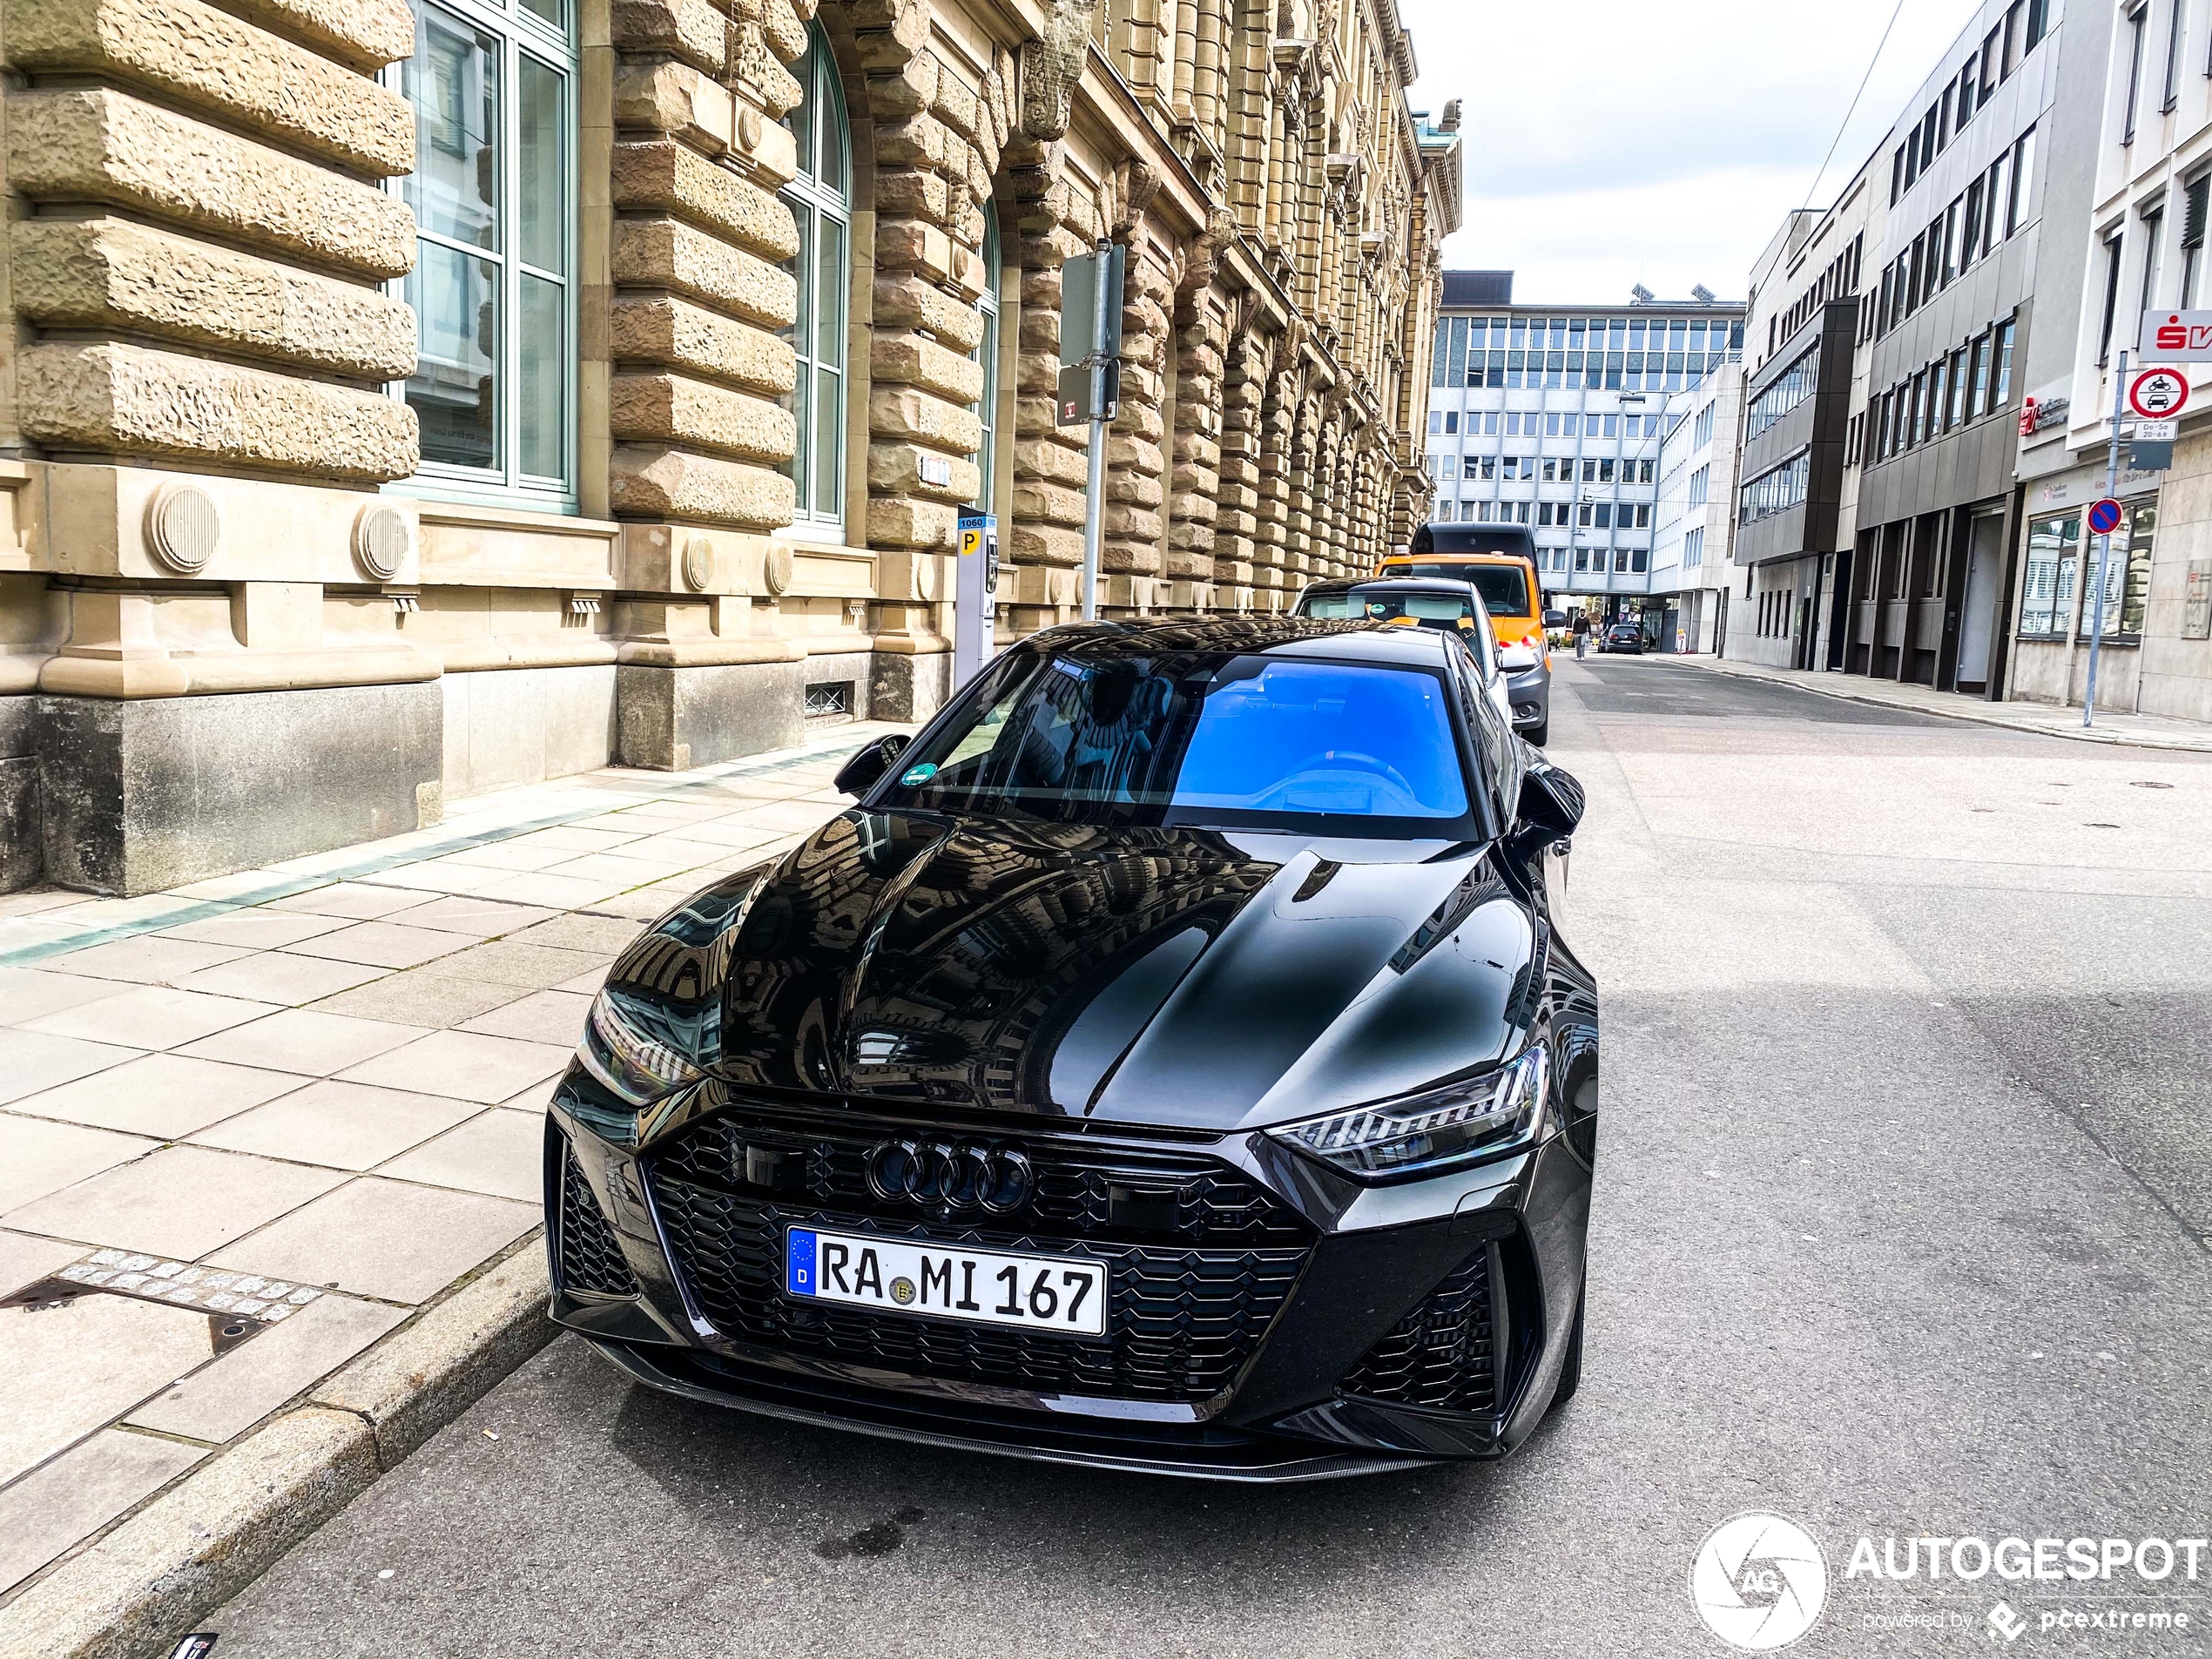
[(1570, 1370), (1538, 733)]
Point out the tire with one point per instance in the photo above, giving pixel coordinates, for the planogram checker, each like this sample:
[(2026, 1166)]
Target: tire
[(1570, 1369), (1538, 733)]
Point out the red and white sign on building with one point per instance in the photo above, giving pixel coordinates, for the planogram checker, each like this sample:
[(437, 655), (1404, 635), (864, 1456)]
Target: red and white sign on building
[(2176, 337), (2158, 394)]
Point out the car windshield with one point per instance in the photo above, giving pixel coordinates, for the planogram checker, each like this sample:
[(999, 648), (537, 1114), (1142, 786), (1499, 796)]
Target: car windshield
[(1226, 739), (1443, 611), (1504, 587)]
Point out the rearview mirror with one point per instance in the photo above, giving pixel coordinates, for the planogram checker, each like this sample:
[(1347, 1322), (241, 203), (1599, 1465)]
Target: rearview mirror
[(1550, 799), (1555, 619), (861, 773)]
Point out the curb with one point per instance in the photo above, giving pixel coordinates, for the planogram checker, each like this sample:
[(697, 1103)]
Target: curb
[(1845, 695), (144, 1585)]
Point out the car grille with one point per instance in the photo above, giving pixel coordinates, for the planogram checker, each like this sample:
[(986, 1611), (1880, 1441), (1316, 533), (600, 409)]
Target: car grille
[(1182, 1317), (1213, 1205), (590, 1257), (1441, 1354)]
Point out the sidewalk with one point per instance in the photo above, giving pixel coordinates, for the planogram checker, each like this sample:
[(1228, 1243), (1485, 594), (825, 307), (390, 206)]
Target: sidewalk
[(251, 1127), (2145, 731)]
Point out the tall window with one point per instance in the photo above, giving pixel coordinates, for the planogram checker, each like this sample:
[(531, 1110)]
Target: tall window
[(820, 199), (2137, 21), (2194, 199), (2112, 250), (493, 287), (986, 353)]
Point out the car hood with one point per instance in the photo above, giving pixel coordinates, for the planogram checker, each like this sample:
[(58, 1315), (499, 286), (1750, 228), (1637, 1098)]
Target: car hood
[(1173, 977)]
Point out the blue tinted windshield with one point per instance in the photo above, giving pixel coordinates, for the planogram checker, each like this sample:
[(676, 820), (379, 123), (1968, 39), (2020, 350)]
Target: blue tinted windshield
[(1200, 737)]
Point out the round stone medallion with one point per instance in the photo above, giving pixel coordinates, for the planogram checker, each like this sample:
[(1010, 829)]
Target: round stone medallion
[(380, 541), (776, 570), (698, 564), (182, 528)]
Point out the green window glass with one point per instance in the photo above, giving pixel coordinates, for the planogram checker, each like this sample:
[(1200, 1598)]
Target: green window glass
[(820, 200), (493, 288)]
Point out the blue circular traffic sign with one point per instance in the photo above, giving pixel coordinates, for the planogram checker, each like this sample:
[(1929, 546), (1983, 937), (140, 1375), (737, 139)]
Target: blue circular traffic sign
[(2104, 516)]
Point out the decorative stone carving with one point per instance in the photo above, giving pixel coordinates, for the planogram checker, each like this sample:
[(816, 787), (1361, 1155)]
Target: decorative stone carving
[(182, 528), (380, 541), (776, 571), (699, 564)]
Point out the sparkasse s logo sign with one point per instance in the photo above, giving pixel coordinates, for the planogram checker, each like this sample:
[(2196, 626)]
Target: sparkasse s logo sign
[(2176, 337)]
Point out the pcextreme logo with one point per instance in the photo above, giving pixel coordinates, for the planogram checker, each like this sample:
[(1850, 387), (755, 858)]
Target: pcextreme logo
[(1759, 1582)]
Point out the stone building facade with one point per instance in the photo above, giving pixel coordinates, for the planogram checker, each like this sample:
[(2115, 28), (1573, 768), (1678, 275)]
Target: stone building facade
[(406, 400)]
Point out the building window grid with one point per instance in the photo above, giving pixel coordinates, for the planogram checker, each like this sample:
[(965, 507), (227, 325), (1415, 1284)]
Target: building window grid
[(493, 290), (1777, 490)]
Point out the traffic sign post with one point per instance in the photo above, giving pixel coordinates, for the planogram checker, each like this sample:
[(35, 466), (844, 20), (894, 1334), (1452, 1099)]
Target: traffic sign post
[(1090, 387), (2159, 394), (2107, 513)]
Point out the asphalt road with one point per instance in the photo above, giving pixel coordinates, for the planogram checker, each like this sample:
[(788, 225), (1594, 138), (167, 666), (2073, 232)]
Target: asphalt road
[(1902, 1224)]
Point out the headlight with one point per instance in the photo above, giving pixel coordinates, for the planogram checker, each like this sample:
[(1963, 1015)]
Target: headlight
[(641, 1050), (1434, 1131)]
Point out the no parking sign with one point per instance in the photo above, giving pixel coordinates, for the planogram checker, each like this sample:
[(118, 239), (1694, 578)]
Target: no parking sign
[(2104, 516)]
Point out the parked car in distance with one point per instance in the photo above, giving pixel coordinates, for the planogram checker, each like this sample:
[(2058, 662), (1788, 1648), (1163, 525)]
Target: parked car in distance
[(1449, 606), (1501, 561), (1171, 1063), (1622, 637)]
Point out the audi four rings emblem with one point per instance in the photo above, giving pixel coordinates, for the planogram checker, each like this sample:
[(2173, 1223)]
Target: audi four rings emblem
[(963, 1175)]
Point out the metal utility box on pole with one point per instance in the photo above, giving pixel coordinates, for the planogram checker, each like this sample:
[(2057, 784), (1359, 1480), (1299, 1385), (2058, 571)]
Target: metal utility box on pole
[(975, 594), (1091, 381)]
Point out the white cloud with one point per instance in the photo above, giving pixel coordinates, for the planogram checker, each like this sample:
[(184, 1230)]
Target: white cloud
[(1611, 142)]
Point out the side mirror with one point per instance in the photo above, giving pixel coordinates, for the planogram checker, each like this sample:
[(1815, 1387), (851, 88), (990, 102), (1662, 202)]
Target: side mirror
[(1550, 799), (1555, 619), (861, 773)]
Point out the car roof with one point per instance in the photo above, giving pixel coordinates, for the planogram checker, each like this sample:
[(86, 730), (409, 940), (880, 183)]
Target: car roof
[(1471, 556), (1361, 641), (1454, 586)]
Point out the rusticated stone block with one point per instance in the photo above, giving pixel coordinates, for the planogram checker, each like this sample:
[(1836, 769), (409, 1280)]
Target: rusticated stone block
[(200, 55), (97, 145), (1137, 558), (671, 97), (910, 244), (649, 482), (918, 141), (895, 469), (112, 274), (1126, 450), (784, 29), (689, 30), (676, 180), (910, 193), (956, 106), (119, 398), (1046, 544), (903, 412), (904, 91), (667, 253), (367, 34), (903, 521), (677, 409), (1122, 485), (908, 359), (1049, 459), (1052, 504), (663, 330)]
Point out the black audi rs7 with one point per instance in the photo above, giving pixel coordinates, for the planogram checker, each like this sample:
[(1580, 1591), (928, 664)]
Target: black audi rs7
[(1171, 1063)]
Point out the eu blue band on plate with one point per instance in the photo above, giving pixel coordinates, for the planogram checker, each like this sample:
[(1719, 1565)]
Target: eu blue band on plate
[(799, 1263)]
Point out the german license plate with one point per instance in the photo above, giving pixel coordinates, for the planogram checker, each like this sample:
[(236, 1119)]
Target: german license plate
[(1061, 1293)]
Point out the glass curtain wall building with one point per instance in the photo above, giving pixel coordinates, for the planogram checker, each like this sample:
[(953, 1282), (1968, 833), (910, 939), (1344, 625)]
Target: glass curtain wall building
[(1552, 416)]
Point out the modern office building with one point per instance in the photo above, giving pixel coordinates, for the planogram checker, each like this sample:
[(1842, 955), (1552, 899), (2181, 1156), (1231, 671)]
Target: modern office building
[(1694, 519), (1552, 416)]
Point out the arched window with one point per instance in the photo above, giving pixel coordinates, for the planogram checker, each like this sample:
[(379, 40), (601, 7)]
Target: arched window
[(820, 199), (986, 353)]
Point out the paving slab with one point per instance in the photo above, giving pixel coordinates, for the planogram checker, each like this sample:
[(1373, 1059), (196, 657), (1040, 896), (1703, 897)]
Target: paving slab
[(428, 997), (38, 1156), (148, 960), (304, 1041), (532, 967), (181, 1201), (278, 976), (353, 900), (258, 928), (382, 944), (476, 918), (165, 1096), (543, 1016), (70, 1366), (152, 1016), (223, 1399), (388, 1239), (30, 994), (465, 1065), (501, 1153), (25, 1260), (45, 1513), (337, 1125)]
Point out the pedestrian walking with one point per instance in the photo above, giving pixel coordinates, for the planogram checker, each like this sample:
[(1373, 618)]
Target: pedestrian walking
[(1581, 626)]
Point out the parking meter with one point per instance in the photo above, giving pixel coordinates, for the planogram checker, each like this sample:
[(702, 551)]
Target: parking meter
[(975, 592)]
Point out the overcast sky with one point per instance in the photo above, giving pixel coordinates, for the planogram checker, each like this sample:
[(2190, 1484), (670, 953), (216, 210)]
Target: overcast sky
[(1605, 143)]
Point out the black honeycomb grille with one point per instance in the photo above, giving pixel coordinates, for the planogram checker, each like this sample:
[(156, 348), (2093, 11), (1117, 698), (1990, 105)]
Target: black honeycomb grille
[(1441, 1354), (1180, 1320), (590, 1259), (1213, 1205)]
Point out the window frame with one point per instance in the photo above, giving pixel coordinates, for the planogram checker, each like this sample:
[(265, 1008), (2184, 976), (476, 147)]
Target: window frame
[(520, 31), (807, 193)]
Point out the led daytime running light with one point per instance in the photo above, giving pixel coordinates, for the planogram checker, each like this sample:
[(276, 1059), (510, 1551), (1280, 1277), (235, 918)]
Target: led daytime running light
[(1435, 1130)]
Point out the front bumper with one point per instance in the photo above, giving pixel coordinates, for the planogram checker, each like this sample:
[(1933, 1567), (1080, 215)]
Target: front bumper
[(1289, 1326), (1530, 693)]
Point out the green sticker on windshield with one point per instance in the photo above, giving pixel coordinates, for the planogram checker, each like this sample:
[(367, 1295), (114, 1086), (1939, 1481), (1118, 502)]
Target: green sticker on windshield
[(920, 774)]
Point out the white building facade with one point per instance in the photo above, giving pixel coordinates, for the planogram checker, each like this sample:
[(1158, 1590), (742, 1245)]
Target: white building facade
[(1694, 519), (1553, 416)]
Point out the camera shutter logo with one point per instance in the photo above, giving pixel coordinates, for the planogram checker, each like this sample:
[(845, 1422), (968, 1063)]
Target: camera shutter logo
[(1759, 1582)]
